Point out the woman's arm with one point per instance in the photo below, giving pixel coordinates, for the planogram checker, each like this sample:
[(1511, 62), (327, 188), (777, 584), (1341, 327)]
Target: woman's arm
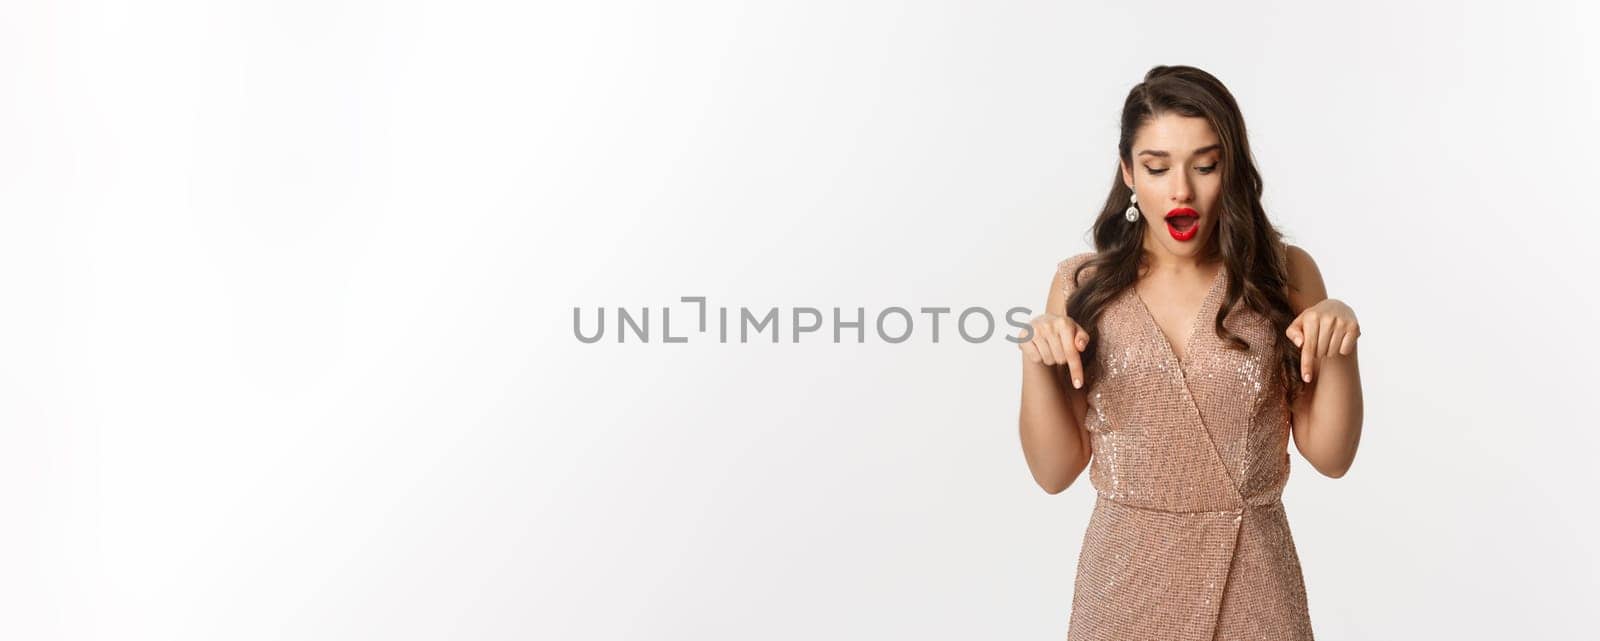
[(1053, 439), (1327, 415)]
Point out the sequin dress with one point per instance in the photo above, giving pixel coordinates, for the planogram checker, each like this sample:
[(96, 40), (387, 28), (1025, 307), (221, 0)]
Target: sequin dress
[(1188, 539)]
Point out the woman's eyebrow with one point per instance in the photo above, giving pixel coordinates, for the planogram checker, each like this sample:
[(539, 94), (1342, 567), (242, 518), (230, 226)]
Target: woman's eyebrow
[(1163, 154)]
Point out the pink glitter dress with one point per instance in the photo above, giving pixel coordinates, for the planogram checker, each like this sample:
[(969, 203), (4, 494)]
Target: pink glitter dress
[(1188, 538)]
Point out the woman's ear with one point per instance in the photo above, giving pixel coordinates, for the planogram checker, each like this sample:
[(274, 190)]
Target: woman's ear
[(1127, 176)]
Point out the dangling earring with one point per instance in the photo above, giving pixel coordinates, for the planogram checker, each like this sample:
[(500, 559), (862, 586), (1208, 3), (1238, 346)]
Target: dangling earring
[(1132, 214)]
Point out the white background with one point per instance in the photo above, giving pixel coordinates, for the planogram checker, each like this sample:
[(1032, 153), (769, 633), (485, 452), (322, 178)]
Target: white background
[(287, 340)]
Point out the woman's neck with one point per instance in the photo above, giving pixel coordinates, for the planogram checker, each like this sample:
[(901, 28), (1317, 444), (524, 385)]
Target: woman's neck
[(1154, 263)]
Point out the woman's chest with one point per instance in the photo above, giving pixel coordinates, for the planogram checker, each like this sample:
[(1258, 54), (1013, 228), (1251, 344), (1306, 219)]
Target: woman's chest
[(1137, 366)]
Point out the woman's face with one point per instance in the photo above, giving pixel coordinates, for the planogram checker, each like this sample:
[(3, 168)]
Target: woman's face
[(1176, 170)]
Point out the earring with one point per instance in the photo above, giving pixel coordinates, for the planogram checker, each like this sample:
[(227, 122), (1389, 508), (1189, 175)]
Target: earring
[(1132, 214)]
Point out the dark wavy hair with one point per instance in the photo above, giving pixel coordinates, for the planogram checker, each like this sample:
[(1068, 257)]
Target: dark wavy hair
[(1251, 248)]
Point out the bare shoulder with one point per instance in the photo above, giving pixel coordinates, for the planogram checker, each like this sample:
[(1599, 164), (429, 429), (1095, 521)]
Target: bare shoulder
[(1305, 279)]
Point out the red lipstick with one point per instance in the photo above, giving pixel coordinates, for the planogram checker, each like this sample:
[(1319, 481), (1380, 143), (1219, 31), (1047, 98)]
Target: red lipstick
[(1183, 223)]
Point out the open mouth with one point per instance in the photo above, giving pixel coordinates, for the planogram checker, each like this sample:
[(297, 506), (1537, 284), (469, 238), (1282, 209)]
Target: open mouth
[(1182, 223)]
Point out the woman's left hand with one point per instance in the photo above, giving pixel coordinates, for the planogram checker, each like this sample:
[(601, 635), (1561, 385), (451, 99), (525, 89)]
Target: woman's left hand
[(1326, 329)]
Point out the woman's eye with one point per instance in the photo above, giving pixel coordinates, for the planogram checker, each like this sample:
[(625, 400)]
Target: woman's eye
[(1204, 170)]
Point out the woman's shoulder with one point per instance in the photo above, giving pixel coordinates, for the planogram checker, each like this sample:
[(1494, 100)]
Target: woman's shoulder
[(1306, 286), (1075, 260), (1068, 266), (1067, 276)]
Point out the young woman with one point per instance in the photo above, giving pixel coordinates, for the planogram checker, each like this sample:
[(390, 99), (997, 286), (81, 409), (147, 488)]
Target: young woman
[(1176, 361)]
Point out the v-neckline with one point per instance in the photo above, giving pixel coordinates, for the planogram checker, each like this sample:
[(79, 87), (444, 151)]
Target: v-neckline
[(1194, 329)]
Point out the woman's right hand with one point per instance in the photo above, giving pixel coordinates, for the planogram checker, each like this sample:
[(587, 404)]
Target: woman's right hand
[(1057, 340)]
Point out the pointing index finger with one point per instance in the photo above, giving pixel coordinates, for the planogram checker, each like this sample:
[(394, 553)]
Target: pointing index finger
[(1308, 350)]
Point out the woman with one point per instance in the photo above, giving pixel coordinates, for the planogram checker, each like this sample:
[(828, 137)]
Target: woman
[(1178, 359)]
